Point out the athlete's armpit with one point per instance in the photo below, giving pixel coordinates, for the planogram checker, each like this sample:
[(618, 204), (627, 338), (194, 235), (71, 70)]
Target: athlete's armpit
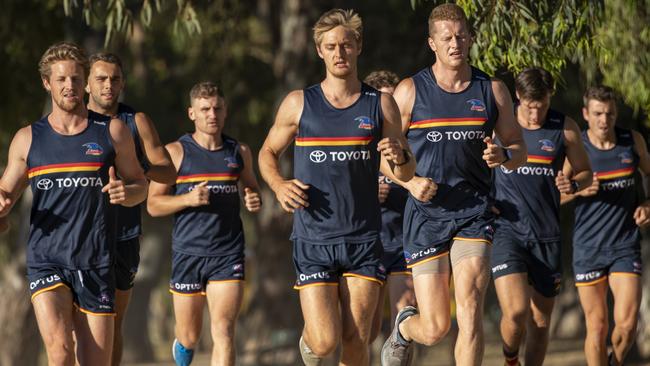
[(405, 98), (576, 155)]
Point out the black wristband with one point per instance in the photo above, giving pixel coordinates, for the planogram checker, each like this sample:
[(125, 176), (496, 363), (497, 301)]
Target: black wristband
[(574, 186), (407, 158), (506, 153)]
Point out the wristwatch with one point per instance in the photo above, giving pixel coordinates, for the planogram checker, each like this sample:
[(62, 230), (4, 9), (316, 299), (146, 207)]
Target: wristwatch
[(574, 186), (506, 153), (407, 157)]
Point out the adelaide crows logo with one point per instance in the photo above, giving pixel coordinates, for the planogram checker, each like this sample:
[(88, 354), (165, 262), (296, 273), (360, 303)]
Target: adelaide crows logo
[(232, 162), (93, 148), (365, 123), (476, 105), (626, 157), (546, 145)]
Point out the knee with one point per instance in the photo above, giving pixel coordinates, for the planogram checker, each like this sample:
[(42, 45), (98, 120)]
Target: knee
[(469, 314), (323, 346), (597, 325), (60, 351), (517, 317), (222, 329), (434, 331), (189, 338), (627, 327)]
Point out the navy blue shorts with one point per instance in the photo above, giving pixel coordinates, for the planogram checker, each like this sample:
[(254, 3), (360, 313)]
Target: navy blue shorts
[(320, 264), (191, 273), (394, 262), (426, 238), (541, 260), (93, 290), (593, 265), (127, 260)]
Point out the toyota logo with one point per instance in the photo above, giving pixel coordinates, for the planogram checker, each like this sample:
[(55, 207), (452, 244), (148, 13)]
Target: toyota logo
[(317, 156), (434, 136), (45, 184), (505, 170)]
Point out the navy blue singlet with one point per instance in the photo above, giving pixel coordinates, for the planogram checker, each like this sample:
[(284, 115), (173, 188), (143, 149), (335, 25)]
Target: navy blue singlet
[(527, 197), (606, 220), (71, 220), (446, 135), (129, 224), (392, 215), (214, 229), (336, 154)]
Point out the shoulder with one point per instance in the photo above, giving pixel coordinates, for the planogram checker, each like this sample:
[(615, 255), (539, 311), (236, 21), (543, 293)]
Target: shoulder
[(174, 147)]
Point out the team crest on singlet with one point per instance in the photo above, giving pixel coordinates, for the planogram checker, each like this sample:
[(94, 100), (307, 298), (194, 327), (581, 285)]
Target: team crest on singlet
[(476, 105), (93, 148), (231, 162), (365, 123), (546, 145), (626, 157)]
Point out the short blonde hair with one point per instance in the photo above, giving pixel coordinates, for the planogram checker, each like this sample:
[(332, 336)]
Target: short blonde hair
[(338, 17), (447, 11), (62, 51)]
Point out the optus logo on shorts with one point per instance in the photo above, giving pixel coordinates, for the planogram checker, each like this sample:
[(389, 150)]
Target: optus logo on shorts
[(313, 276), (49, 280)]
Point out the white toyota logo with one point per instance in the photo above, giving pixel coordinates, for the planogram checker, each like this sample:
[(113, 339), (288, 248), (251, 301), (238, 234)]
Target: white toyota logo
[(434, 136), (505, 170), (45, 184), (317, 156)]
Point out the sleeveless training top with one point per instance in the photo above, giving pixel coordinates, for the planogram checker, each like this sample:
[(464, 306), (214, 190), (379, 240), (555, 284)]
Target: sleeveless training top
[(527, 197), (71, 222), (129, 222), (214, 229), (392, 215), (336, 154), (606, 220), (446, 135)]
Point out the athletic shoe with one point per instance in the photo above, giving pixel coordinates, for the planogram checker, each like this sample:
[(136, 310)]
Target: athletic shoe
[(308, 357), (183, 356), (397, 351)]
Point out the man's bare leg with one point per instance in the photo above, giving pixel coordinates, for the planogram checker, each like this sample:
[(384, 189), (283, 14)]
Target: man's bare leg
[(593, 299), (54, 309), (359, 297), (626, 289), (224, 301), (538, 328), (122, 299), (513, 292)]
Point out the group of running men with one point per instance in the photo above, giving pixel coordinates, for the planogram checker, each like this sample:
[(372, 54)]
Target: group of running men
[(409, 183)]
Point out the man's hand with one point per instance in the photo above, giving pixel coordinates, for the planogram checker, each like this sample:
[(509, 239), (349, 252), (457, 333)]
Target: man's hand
[(642, 214), (115, 188), (384, 188), (391, 149), (493, 153), (563, 183), (291, 194), (199, 196), (252, 200), (592, 189), (5, 204), (423, 189)]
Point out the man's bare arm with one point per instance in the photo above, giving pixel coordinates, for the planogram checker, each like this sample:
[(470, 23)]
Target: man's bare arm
[(14, 179), (290, 193), (161, 168), (131, 188), (507, 130)]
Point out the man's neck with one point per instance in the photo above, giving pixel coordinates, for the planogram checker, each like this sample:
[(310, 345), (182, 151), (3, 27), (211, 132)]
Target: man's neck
[(602, 142), (112, 111), (208, 141), (341, 92), (68, 123), (452, 79)]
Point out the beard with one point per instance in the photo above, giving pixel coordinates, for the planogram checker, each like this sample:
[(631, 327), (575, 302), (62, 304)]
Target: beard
[(68, 105), (104, 104)]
